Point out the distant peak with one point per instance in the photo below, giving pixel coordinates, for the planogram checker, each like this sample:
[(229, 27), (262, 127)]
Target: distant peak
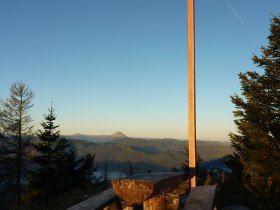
[(119, 134)]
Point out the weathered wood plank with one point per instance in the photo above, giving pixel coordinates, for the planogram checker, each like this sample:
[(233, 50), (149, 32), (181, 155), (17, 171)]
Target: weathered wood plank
[(142, 187), (201, 198), (96, 202)]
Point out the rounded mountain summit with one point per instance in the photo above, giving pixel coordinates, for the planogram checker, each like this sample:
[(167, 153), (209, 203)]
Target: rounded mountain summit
[(119, 135)]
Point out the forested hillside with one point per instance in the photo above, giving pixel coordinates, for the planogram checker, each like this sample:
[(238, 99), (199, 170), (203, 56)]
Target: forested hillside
[(144, 154)]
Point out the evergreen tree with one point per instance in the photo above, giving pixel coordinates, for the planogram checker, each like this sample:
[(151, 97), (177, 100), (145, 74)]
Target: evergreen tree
[(42, 180), (47, 137), (59, 170), (105, 172), (257, 144), (129, 170), (185, 165), (16, 134)]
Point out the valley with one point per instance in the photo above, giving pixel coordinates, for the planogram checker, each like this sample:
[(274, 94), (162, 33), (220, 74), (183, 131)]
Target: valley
[(144, 154)]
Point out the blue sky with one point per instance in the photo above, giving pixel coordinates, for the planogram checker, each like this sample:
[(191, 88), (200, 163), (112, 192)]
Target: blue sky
[(120, 65)]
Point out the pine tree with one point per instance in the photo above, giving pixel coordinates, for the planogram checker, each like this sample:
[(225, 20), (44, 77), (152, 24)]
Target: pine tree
[(257, 144), (59, 170), (42, 180), (185, 165), (129, 170), (47, 137), (16, 134)]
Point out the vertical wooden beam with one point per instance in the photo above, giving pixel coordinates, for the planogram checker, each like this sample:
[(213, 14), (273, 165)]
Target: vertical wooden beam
[(191, 93)]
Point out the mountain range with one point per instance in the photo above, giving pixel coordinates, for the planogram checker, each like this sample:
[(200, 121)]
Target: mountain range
[(144, 154), (97, 138)]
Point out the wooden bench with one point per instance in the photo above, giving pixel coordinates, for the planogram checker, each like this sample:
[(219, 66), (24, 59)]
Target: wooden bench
[(156, 191), (201, 198)]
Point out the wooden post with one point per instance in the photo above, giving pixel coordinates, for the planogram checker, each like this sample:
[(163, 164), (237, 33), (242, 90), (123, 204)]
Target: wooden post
[(201, 197), (191, 94)]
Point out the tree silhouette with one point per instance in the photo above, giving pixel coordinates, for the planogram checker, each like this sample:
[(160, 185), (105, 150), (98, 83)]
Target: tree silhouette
[(59, 169), (129, 170), (257, 144), (16, 134), (185, 165)]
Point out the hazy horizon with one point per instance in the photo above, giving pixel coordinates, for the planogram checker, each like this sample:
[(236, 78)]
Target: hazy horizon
[(140, 137)]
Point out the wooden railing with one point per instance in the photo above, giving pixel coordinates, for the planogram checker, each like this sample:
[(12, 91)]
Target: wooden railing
[(156, 191), (101, 201)]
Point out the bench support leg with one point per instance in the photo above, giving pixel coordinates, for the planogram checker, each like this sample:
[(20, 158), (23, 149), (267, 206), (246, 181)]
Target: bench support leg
[(155, 203)]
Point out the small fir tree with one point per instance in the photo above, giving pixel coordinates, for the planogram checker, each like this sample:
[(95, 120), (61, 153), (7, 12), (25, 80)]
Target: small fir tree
[(129, 170), (257, 144), (59, 170), (185, 165), (47, 136), (42, 180), (105, 172)]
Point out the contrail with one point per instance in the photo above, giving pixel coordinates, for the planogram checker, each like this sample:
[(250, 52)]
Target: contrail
[(234, 11)]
